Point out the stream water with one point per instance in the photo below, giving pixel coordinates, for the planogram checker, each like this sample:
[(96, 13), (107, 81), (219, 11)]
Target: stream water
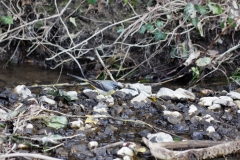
[(30, 74)]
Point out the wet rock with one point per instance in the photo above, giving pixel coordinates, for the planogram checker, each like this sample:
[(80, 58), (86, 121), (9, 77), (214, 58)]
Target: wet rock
[(170, 106), (144, 133), (234, 95), (173, 117), (181, 128), (13, 97), (61, 153), (198, 135), (227, 116), (80, 151), (109, 130), (211, 133), (160, 137)]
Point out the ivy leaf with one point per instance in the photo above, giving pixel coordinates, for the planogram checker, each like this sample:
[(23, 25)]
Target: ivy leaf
[(195, 21), (202, 9), (92, 1), (149, 27), (7, 19), (214, 8), (120, 29), (125, 1), (159, 35), (57, 122), (143, 29), (159, 24)]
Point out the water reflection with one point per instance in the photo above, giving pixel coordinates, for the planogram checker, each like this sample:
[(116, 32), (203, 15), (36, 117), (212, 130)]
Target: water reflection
[(29, 74)]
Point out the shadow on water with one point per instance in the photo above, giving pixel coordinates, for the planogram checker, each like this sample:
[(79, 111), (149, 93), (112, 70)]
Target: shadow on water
[(29, 74)]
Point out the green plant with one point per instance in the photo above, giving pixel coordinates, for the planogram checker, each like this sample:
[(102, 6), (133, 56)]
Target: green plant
[(196, 72)]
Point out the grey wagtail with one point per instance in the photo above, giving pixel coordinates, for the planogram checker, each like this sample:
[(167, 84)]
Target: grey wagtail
[(105, 87)]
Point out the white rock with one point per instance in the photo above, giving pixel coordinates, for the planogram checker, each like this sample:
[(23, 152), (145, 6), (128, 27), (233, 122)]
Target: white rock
[(192, 109), (29, 126), (127, 158), (208, 101), (166, 92), (131, 145), (234, 95), (129, 91), (220, 101), (142, 97), (92, 145), (210, 129), (227, 98), (47, 100), (237, 102), (23, 90), (214, 106), (125, 151), (184, 94), (101, 108), (160, 137), (140, 87), (208, 118), (108, 99), (173, 117), (73, 95), (77, 124)]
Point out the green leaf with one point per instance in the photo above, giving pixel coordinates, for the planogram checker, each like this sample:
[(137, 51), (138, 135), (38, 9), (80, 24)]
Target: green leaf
[(189, 8), (120, 29), (222, 24), (204, 61), (57, 122), (159, 35), (230, 20), (214, 8), (195, 21), (202, 9), (92, 1), (143, 29), (159, 24), (7, 19), (176, 139), (125, 1), (149, 27)]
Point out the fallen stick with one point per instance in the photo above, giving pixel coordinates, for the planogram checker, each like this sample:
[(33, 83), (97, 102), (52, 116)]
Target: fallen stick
[(203, 153)]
